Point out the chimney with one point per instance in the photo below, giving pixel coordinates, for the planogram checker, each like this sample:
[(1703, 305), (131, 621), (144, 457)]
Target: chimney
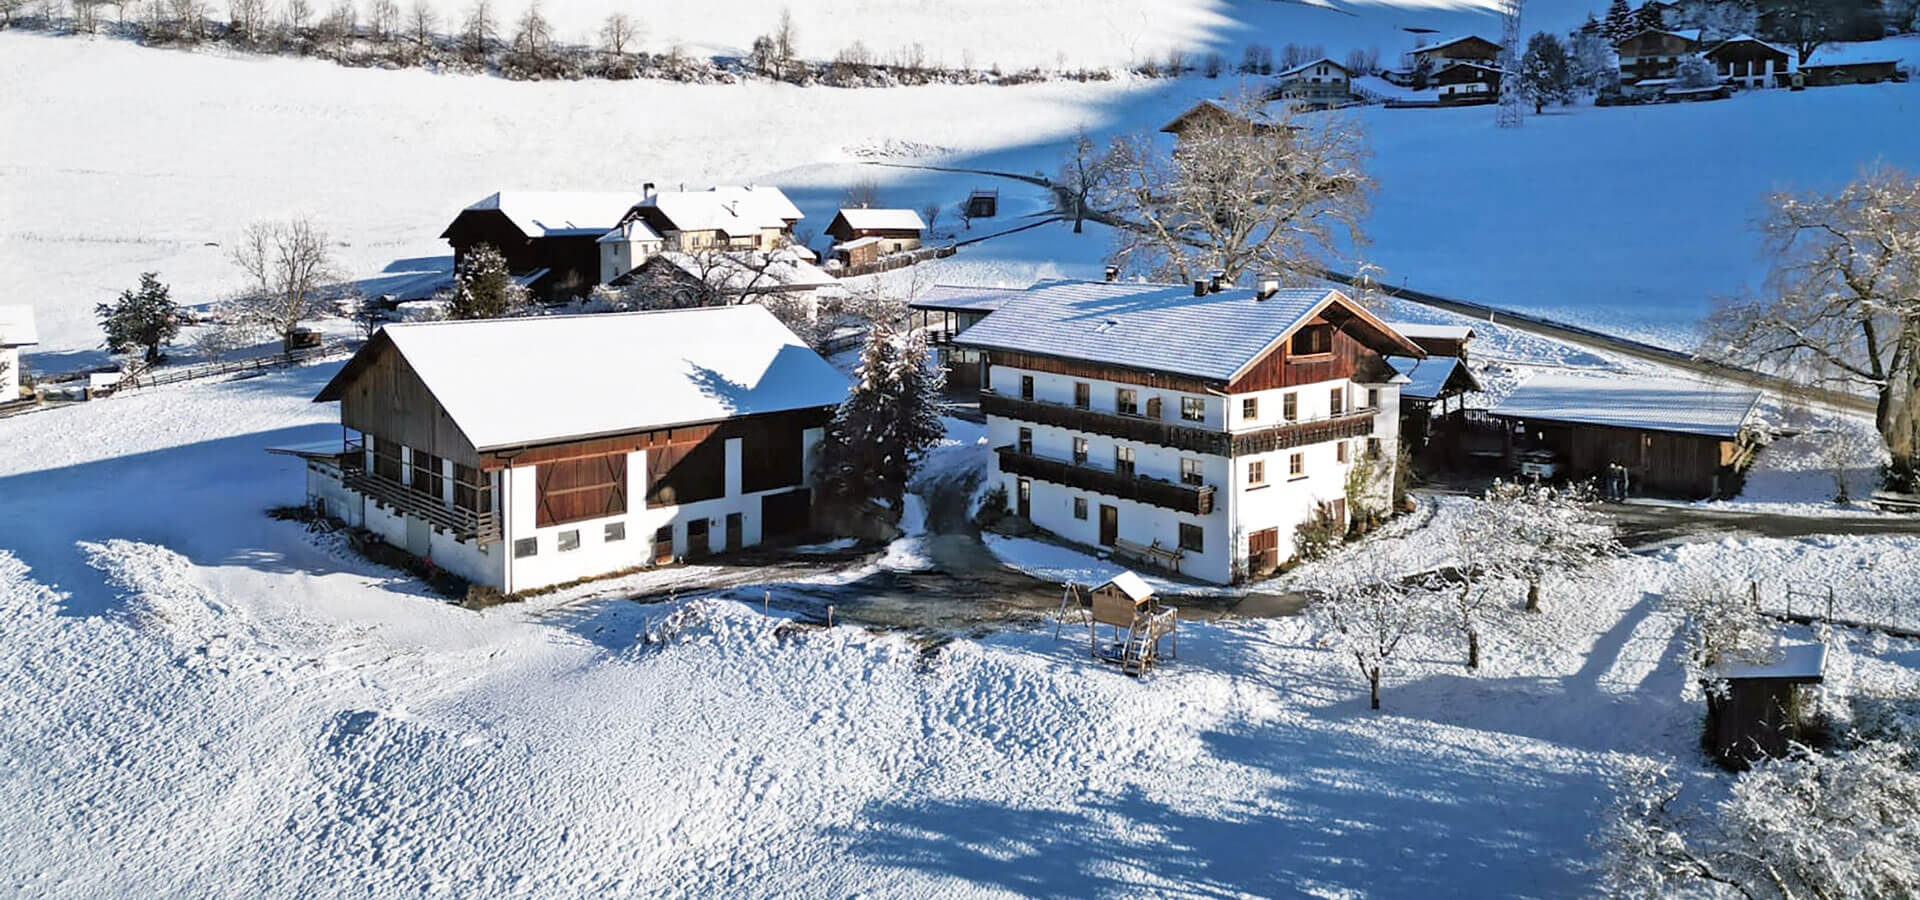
[(1218, 281), (1199, 287), (646, 192), (1269, 285), (1113, 273)]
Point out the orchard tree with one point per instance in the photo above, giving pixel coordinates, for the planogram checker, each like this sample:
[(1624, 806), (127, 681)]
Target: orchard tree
[(887, 424), (287, 265), (484, 288), (1249, 191), (1842, 304), (143, 319), (1546, 74), (1720, 622), (1546, 529), (1369, 617)]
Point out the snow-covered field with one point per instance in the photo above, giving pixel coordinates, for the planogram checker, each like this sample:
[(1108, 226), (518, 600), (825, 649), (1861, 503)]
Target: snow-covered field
[(218, 703)]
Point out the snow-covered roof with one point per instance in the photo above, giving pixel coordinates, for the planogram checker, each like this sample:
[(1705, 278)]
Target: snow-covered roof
[(1750, 39), (1310, 64), (1862, 54), (733, 209), (882, 219), (856, 243), (1437, 45), (1790, 662), (1633, 401), (310, 449), (518, 382), (1427, 378), (1258, 117), (1418, 330), (1691, 35), (560, 213), (630, 230), (964, 298), (16, 326), (1158, 327), (1130, 584)]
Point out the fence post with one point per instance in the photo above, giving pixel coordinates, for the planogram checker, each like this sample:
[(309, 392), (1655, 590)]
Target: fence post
[(1829, 603)]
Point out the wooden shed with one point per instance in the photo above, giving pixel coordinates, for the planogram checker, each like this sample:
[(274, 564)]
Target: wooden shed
[(1765, 707), (1677, 438), (1868, 72)]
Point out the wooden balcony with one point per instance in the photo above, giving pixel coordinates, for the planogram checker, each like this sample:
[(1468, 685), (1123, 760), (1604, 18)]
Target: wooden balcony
[(1186, 498), (1132, 428), (464, 524), (1358, 423)]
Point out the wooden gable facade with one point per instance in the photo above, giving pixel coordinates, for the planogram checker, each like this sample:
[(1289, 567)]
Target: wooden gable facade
[(381, 395), (572, 261), (1472, 48)]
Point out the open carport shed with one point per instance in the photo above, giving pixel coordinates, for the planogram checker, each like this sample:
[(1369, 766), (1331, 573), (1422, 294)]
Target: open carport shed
[(1676, 437)]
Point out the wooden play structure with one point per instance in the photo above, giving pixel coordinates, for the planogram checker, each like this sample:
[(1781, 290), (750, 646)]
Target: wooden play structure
[(1135, 620)]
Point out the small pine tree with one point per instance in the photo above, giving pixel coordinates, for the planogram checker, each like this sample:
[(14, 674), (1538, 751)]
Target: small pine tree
[(1545, 74), (1648, 16), (145, 319), (887, 424), (484, 289)]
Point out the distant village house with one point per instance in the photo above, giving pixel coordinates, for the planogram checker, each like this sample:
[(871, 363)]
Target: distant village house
[(1319, 84), (16, 331), (872, 233)]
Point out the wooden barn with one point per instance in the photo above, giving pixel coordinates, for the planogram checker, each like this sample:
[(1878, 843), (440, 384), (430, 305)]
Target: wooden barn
[(1437, 340), (1766, 706), (548, 237), (1213, 114), (1828, 74), (522, 453), (1676, 438)]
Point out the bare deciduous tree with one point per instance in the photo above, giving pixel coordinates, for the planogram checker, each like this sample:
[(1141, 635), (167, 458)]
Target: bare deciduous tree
[(532, 36), (1084, 174), (1842, 307), (383, 20), (862, 194), (930, 213), (421, 23), (287, 265), (1245, 191), (247, 19), (478, 30), (617, 33)]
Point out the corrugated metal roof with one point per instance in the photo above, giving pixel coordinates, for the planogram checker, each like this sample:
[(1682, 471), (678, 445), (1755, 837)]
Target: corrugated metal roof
[(1418, 330), (1158, 327), (1633, 401), (964, 298)]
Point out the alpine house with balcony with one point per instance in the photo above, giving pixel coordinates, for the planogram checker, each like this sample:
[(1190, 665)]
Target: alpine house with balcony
[(521, 453), (1192, 427)]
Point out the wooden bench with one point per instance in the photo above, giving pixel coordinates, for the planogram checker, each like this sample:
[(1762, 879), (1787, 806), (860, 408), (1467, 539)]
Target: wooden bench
[(1152, 554)]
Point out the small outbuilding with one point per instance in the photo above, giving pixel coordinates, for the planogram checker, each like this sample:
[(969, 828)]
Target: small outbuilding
[(1215, 115), (945, 310), (1759, 710), (1437, 340), (894, 229), (1749, 62), (983, 203), (1828, 74), (1675, 437), (16, 331), (1435, 389)]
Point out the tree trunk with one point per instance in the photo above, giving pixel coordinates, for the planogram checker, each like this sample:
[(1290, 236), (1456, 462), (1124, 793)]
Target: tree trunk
[(1533, 594), (1473, 648), (1078, 215), (1373, 684)]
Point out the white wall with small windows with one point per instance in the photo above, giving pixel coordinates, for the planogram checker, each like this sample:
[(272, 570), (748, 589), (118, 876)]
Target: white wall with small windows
[(1054, 508)]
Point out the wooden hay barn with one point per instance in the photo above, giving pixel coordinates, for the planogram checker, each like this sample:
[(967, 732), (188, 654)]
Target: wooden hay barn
[(1677, 438)]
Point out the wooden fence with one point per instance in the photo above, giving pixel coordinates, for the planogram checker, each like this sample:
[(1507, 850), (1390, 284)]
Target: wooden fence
[(896, 261), (248, 366), (1811, 603)]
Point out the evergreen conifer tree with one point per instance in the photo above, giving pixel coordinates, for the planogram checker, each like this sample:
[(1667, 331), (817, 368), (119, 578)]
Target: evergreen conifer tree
[(887, 424), (1620, 23), (483, 288), (1545, 75), (144, 319)]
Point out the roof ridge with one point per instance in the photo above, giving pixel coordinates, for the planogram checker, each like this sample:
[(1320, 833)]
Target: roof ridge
[(579, 315)]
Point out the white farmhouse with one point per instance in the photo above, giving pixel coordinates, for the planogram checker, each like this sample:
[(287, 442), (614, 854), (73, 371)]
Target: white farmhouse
[(16, 331), (1195, 427), (521, 453)]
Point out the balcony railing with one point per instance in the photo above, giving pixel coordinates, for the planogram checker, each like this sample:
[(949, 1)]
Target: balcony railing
[(1132, 428), (1186, 498), (463, 523), (1357, 423)]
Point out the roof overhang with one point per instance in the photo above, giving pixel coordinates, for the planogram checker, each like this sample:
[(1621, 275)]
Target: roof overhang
[(1350, 312)]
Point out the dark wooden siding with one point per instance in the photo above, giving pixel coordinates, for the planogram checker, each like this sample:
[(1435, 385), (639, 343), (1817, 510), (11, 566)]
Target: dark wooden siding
[(589, 487), (686, 473), (1660, 462), (388, 400), (1280, 369), (574, 260)]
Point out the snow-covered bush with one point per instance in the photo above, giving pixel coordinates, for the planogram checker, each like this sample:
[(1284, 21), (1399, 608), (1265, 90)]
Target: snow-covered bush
[(1838, 825), (1721, 622)]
